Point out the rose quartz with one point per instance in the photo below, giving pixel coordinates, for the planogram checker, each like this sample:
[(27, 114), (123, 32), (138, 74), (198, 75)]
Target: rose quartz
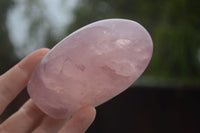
[(90, 66)]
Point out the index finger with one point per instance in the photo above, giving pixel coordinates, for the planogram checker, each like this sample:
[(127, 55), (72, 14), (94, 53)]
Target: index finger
[(14, 80)]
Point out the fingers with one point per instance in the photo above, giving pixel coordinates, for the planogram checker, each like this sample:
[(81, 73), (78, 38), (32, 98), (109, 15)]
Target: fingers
[(13, 81), (24, 121), (80, 121), (29, 116), (50, 125), (30, 119), (77, 124)]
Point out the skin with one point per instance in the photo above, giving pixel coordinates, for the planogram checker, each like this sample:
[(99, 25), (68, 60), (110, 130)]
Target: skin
[(29, 118)]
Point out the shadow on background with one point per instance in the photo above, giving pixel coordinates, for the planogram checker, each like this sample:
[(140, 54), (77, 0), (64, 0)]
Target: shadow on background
[(149, 110)]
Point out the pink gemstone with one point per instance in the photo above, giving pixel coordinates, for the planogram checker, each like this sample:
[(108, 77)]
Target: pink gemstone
[(90, 66)]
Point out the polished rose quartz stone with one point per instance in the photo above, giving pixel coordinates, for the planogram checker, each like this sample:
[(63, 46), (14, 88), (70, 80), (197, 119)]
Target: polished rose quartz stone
[(90, 66)]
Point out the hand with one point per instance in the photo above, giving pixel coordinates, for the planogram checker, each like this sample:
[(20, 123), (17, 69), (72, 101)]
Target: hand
[(29, 118)]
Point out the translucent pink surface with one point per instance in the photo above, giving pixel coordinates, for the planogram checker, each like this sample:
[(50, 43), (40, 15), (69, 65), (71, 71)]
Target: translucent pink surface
[(90, 66)]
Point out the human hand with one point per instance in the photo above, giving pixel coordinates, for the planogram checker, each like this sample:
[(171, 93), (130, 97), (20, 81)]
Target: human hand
[(29, 118)]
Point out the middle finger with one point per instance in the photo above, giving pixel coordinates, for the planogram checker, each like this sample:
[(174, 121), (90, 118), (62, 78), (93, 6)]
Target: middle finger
[(50, 125)]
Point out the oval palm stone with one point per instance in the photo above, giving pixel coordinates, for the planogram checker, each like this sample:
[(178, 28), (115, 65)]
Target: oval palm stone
[(90, 66)]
